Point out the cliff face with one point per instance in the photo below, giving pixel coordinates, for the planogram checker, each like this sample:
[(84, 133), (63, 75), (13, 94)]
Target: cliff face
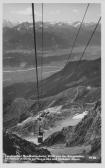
[(87, 132)]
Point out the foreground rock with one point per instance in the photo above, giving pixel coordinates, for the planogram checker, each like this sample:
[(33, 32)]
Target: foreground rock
[(14, 145)]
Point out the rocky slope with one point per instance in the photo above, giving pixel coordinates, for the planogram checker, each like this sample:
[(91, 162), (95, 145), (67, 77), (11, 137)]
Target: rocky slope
[(13, 144), (16, 112), (88, 131)]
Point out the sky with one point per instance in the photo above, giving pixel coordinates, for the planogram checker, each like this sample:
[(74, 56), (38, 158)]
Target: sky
[(52, 12)]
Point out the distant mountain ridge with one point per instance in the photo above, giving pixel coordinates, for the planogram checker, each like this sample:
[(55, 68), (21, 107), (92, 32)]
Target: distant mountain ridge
[(9, 24), (58, 35)]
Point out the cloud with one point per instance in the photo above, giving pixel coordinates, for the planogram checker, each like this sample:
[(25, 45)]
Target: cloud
[(75, 10), (55, 12), (27, 12)]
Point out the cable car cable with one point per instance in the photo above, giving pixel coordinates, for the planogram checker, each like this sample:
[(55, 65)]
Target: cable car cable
[(88, 43), (42, 56), (74, 42), (36, 62)]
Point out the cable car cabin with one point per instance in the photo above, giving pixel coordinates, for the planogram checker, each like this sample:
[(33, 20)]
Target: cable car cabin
[(40, 135)]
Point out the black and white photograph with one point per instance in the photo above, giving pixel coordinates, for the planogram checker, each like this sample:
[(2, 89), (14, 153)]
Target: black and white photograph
[(51, 86)]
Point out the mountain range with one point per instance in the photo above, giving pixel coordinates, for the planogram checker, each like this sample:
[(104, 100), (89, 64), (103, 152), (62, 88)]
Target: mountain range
[(58, 35)]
